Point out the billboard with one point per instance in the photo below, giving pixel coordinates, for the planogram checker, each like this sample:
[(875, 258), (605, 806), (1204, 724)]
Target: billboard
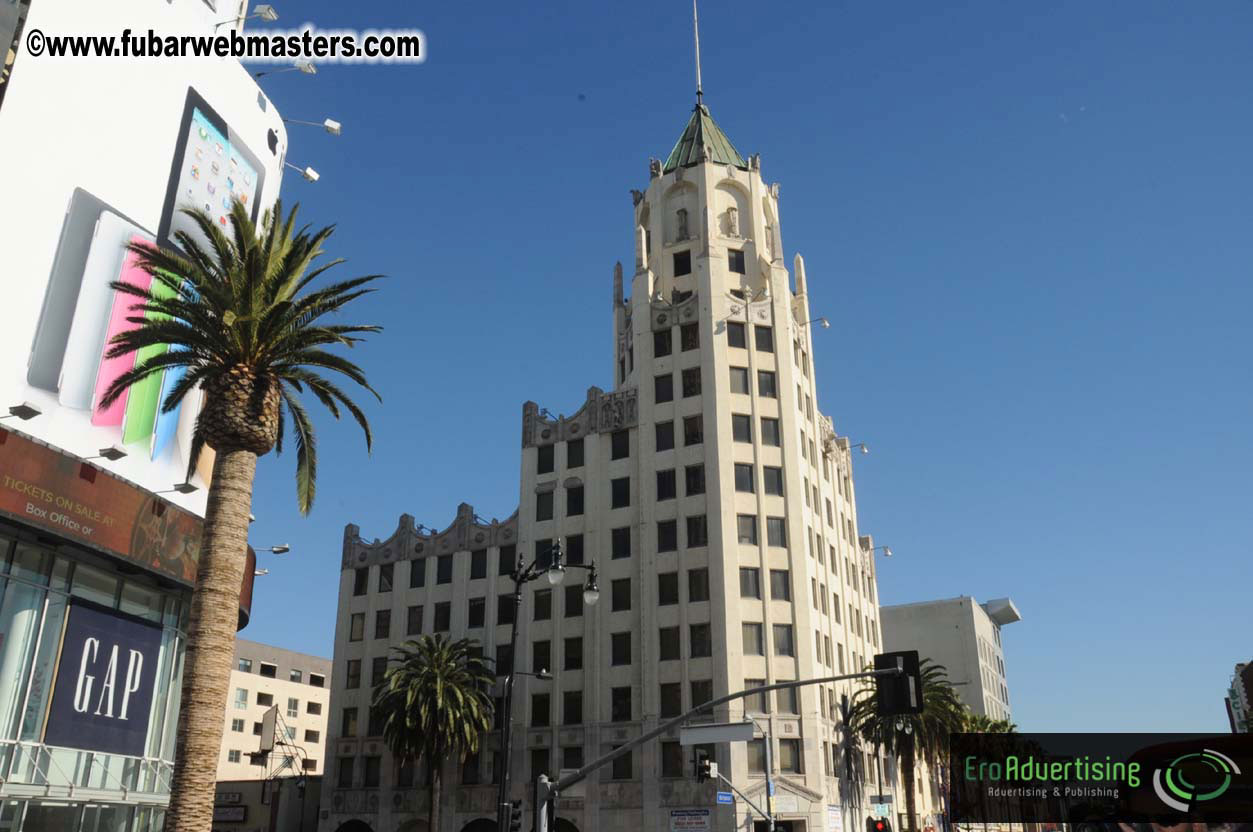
[(93, 155), (106, 678)]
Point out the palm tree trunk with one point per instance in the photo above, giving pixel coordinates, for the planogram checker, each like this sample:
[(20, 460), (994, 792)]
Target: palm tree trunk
[(211, 642), (911, 803), (433, 813)]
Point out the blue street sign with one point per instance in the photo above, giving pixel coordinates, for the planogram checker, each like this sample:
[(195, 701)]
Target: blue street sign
[(724, 798)]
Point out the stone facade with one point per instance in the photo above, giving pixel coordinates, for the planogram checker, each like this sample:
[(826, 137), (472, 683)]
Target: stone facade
[(718, 504)]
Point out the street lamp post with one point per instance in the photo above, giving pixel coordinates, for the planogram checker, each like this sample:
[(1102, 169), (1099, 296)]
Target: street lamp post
[(555, 572)]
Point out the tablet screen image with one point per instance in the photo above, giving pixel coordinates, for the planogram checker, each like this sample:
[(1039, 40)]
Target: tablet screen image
[(214, 172), (112, 368), (92, 314)]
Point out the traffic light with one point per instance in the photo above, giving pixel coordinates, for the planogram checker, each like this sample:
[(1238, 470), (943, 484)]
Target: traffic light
[(878, 825), (706, 769), (899, 693), (515, 816)]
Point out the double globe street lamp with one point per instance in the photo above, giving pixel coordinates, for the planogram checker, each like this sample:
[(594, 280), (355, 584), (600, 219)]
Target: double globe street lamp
[(553, 569)]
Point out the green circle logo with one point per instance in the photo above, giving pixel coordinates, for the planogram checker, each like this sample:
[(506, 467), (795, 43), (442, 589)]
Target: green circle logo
[(1194, 778)]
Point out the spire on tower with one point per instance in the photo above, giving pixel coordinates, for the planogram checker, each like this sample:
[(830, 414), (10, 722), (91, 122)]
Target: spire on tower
[(696, 33)]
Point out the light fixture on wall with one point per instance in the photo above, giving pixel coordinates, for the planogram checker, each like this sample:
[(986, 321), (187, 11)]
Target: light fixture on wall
[(261, 11), (823, 322), (309, 174), (306, 67), (181, 488), (24, 411), (281, 549), (330, 125), (112, 453)]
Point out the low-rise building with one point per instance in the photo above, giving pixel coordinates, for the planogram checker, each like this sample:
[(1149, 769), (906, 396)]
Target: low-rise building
[(298, 685), (965, 637)]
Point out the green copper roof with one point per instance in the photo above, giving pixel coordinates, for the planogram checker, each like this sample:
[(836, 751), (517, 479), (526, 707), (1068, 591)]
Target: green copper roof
[(701, 131)]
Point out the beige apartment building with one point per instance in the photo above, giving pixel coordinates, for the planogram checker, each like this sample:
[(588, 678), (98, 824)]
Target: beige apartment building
[(718, 504), (298, 685)]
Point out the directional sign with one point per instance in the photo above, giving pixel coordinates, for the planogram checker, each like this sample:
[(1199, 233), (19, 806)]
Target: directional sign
[(880, 798), (880, 810), (725, 799), (718, 732)]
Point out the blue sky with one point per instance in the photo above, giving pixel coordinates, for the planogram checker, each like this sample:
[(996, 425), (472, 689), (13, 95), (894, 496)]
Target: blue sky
[(1029, 225)]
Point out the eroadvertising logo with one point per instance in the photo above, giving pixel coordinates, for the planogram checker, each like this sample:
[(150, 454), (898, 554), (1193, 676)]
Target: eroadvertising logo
[(1177, 791), (1073, 778), (106, 678)]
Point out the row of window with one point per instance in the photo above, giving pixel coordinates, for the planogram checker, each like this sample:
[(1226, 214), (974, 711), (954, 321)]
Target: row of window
[(417, 574), (234, 755), (270, 671), (311, 736), (266, 700)]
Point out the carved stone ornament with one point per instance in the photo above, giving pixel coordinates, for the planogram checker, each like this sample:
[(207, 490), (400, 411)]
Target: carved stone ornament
[(654, 168), (636, 196)]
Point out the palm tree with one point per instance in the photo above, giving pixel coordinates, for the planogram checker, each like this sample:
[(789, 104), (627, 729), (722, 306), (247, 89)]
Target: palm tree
[(235, 315), (908, 736), (435, 705)]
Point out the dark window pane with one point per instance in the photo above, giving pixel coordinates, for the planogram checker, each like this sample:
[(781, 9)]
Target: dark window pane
[(574, 501), (757, 703), (735, 334), (783, 644), (780, 585), (574, 548), (508, 560), (772, 480), (764, 337), (356, 626), (741, 427), (478, 564), (744, 477), (665, 485), (622, 542), (572, 656), (682, 263), (668, 644), (750, 582), (661, 343), (770, 431), (747, 528), (572, 707), (361, 581), (443, 569), (620, 594), (619, 444), (541, 656), (413, 625), (735, 260), (544, 506), (671, 699), (701, 641), (620, 704), (665, 436), (574, 600), (739, 380), (766, 384), (697, 531), (540, 708), (667, 536), (544, 459), (691, 382), (694, 477), (620, 495), (689, 337), (776, 531), (574, 453), (543, 604), (671, 759), (702, 692), (620, 648), (504, 660), (667, 588), (663, 388), (385, 577), (693, 430), (505, 609), (443, 616), (383, 624), (697, 585), (754, 640), (477, 613)]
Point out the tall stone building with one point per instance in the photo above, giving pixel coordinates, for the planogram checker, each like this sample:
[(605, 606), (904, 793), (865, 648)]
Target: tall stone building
[(718, 504)]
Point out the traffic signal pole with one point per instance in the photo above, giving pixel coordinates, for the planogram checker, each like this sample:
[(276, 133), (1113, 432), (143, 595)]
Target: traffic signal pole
[(744, 798), (547, 790)]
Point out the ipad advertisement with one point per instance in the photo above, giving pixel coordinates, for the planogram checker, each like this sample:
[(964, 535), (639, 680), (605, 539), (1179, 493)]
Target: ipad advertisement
[(132, 147)]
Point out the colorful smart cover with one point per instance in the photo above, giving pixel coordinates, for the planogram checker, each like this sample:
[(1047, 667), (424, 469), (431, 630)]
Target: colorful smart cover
[(91, 317), (144, 401), (112, 368)]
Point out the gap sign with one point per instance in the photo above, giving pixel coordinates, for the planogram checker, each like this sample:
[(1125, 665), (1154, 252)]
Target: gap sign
[(106, 676)]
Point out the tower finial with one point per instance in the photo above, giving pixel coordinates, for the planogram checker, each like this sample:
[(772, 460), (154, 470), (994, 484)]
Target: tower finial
[(696, 33)]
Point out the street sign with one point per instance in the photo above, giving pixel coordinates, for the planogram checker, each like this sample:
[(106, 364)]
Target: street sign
[(880, 798), (725, 799), (718, 732), (689, 820), (880, 810)]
